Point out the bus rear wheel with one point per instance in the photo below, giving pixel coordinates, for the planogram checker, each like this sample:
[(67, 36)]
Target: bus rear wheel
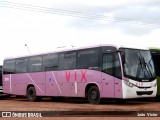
[(94, 95), (31, 94)]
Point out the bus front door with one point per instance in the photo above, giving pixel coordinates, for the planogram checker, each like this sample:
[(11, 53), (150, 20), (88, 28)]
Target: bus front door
[(111, 76), (107, 78), (108, 86)]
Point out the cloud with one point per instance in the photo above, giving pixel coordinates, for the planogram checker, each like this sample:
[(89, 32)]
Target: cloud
[(133, 18), (44, 32)]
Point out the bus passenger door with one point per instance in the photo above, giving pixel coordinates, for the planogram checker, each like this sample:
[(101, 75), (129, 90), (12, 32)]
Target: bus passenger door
[(117, 73), (107, 78), (111, 75)]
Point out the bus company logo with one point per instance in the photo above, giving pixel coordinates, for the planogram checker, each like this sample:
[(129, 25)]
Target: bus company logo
[(6, 114), (83, 75)]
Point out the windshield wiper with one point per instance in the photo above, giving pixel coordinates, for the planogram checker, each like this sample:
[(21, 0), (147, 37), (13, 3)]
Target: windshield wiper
[(144, 66), (147, 67), (139, 68)]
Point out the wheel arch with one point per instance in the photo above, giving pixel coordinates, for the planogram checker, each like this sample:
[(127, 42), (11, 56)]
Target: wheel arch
[(28, 86), (90, 85)]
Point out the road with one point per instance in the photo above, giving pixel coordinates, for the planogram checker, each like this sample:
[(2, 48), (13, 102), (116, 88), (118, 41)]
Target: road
[(81, 109)]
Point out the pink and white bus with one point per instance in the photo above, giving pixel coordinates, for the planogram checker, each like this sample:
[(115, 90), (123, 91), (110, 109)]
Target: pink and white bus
[(102, 71)]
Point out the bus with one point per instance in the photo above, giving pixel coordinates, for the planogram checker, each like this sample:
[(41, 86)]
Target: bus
[(156, 59), (1, 87), (95, 72)]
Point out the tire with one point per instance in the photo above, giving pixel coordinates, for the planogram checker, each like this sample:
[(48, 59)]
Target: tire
[(94, 95), (121, 101), (31, 94), (158, 98), (56, 99)]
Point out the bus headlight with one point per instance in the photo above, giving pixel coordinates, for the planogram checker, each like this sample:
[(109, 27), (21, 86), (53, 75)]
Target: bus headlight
[(154, 85), (129, 84)]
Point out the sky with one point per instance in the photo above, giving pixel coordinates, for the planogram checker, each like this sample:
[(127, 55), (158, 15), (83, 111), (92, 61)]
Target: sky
[(46, 25)]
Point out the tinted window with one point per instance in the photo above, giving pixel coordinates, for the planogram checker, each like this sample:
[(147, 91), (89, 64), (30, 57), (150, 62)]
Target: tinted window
[(111, 65), (35, 64), (9, 66), (87, 58), (50, 62), (67, 60), (21, 65), (108, 64), (156, 59)]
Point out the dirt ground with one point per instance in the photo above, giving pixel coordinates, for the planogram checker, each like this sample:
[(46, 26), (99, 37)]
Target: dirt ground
[(80, 109)]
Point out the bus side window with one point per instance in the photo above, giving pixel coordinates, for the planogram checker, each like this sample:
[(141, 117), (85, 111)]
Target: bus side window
[(9, 66), (35, 64), (67, 60), (21, 65), (107, 66), (50, 62), (88, 58), (156, 59), (111, 65)]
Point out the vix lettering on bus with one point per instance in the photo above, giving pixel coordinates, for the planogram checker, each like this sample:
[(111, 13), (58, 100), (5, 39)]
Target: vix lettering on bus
[(83, 75)]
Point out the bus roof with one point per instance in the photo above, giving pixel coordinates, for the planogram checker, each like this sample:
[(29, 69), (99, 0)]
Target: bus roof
[(85, 47)]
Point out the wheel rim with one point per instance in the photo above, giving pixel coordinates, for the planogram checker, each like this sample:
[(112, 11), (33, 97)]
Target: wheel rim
[(31, 94), (93, 95)]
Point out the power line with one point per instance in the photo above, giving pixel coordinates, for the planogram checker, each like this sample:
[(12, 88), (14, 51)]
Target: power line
[(74, 13), (47, 10)]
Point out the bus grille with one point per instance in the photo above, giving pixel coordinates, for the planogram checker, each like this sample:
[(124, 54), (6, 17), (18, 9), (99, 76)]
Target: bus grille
[(144, 92)]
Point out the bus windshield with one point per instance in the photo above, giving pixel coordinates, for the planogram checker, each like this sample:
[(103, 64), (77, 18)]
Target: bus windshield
[(138, 64)]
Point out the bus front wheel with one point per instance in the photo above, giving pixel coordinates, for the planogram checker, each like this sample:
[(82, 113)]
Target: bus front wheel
[(31, 94), (94, 95)]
